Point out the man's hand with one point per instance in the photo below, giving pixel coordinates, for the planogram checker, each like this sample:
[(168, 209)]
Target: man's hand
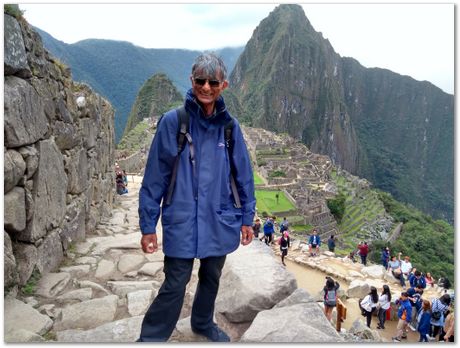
[(149, 243), (246, 235)]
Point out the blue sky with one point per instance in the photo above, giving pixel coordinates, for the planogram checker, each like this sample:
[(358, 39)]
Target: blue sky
[(410, 39)]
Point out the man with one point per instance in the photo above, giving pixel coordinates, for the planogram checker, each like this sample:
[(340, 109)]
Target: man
[(363, 251), (284, 226), (202, 219), (314, 242), (269, 230), (406, 266), (417, 278), (331, 243), (404, 316)]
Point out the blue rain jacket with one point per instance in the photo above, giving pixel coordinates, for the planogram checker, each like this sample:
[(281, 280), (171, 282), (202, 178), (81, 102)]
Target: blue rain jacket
[(201, 220)]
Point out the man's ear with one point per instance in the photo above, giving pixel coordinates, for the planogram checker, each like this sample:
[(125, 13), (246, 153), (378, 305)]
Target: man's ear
[(225, 84), (191, 79)]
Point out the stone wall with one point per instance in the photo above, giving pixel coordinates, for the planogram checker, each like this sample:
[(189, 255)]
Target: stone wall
[(58, 153)]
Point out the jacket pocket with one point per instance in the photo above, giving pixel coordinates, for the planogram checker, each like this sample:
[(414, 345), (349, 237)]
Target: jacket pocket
[(177, 213)]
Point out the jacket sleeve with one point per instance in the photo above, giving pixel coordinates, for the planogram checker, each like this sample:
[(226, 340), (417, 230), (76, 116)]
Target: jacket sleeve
[(244, 176), (157, 172)]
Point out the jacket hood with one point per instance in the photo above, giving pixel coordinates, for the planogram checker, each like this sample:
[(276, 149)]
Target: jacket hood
[(220, 117)]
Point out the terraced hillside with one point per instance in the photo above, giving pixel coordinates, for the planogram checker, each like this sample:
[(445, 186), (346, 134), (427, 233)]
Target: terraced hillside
[(310, 180)]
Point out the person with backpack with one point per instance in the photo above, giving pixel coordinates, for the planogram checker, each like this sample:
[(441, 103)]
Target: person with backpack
[(404, 316), (438, 308), (284, 226), (330, 296), (199, 177), (269, 230), (368, 305), (285, 243), (383, 306)]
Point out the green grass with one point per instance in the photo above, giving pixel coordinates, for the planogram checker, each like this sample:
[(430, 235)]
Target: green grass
[(301, 228), (266, 201), (257, 179)]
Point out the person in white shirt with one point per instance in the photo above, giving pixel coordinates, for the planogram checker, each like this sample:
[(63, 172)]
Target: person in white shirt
[(383, 306), (368, 305), (406, 266)]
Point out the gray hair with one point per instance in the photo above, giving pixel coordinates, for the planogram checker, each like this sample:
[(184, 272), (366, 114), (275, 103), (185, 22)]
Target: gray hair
[(210, 64)]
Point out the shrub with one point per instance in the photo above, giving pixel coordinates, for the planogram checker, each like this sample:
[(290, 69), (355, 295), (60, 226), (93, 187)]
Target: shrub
[(337, 206)]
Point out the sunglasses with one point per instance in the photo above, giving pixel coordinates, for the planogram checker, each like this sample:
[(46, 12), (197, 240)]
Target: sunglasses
[(202, 82)]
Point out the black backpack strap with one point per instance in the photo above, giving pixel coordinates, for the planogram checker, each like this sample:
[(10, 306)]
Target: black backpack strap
[(183, 121), (229, 145)]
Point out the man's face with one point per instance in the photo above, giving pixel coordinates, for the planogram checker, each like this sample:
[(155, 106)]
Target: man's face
[(207, 88)]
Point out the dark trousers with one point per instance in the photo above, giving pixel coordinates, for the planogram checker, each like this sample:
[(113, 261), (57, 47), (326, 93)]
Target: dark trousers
[(363, 259), (400, 277), (382, 314), (435, 330), (369, 317), (163, 314)]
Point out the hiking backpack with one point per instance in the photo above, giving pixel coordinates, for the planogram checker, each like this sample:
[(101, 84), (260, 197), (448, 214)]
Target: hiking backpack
[(183, 134), (330, 298)]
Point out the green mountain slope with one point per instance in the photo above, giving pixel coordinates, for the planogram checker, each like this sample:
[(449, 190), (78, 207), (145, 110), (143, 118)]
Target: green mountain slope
[(391, 129), (156, 96), (117, 69)]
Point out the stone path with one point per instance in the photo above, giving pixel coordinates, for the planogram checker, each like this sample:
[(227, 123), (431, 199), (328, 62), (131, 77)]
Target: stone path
[(101, 291)]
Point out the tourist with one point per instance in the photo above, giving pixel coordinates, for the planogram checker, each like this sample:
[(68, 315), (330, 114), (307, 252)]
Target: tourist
[(395, 267), (385, 257), (423, 320), (284, 245), (269, 230), (406, 266), (415, 297), (438, 307), (417, 278), (284, 226), (121, 188), (429, 279), (369, 303), (314, 242), (449, 327), (125, 177), (331, 243), (193, 228), (404, 316), (384, 306), (256, 228), (330, 297), (363, 251)]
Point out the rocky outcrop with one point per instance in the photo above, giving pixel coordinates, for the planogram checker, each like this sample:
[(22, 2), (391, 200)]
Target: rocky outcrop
[(256, 284), (59, 148)]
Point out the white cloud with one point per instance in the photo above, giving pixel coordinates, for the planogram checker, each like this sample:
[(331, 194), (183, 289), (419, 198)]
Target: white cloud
[(410, 39)]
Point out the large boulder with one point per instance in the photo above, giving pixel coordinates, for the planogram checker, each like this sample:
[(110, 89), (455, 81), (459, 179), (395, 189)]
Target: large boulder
[(14, 54), (303, 322), (49, 252), (358, 288), (375, 271), (25, 120), (50, 187), (26, 260), (14, 169), (256, 284), (120, 331), (88, 314), (15, 210), (19, 315)]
